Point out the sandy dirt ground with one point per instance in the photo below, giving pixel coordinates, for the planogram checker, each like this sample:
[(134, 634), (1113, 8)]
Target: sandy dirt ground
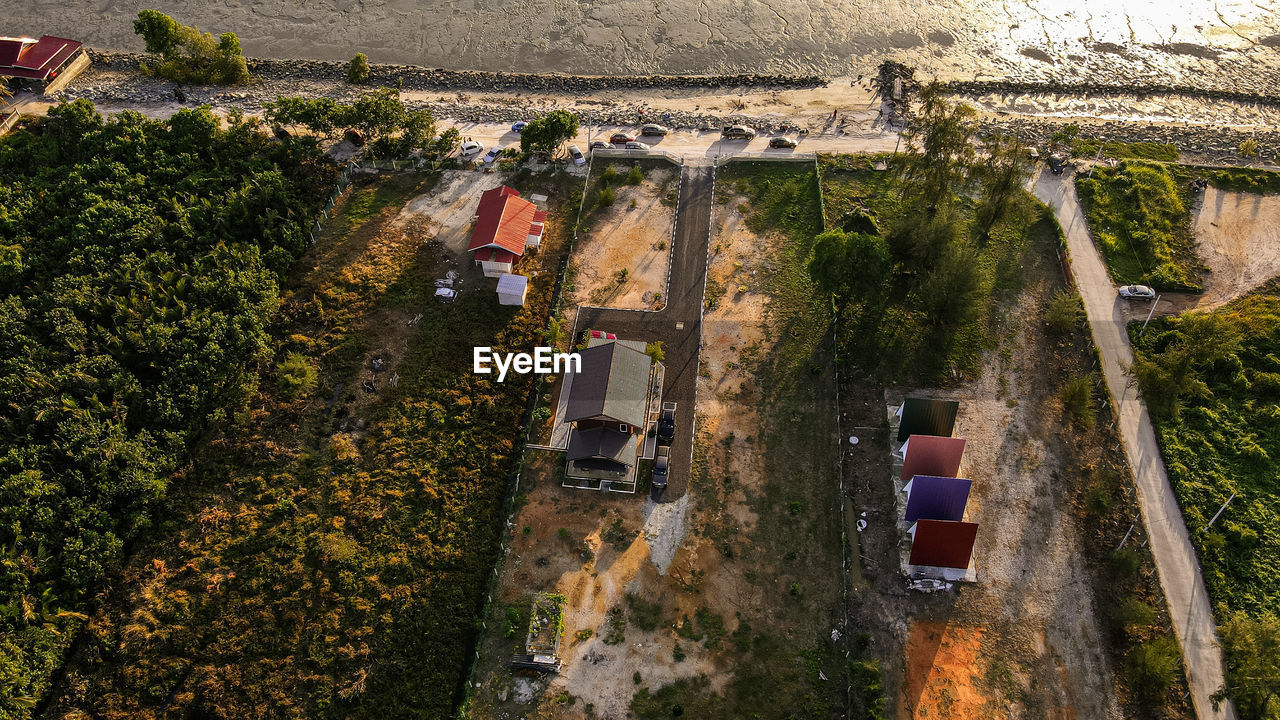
[(447, 210), (1230, 43), (633, 234)]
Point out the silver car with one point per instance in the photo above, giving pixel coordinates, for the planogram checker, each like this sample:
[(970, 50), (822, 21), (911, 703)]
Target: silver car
[(633, 145), (576, 154), (1137, 292)]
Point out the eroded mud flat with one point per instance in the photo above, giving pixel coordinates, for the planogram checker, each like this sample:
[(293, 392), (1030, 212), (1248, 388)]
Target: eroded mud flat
[(1232, 44)]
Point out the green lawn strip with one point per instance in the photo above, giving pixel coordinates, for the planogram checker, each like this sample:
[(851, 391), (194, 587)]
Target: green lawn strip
[(1088, 148)]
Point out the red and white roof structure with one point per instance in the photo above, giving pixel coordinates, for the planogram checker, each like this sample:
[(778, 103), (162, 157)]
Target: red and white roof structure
[(26, 57), (506, 224)]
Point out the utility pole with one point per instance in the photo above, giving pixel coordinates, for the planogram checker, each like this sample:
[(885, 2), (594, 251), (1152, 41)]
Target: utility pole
[(1214, 519), (1149, 314)]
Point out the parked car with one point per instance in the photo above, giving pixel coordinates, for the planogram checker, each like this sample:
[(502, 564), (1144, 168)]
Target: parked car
[(470, 149), (636, 146), (653, 129), (667, 423), (1057, 164), (446, 294), (598, 145), (661, 465), (519, 126), (589, 334), (620, 137), (737, 132), (492, 155), (782, 141), (576, 154), (1137, 292)]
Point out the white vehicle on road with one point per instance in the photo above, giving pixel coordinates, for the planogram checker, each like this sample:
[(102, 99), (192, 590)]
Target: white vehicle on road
[(1137, 292), (470, 149)]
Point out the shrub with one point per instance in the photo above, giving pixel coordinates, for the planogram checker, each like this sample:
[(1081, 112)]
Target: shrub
[(1077, 397), (606, 197), (296, 376), (654, 350), (1124, 563), (542, 414), (1063, 313), (511, 623), (677, 653), (1152, 668), (635, 175), (1249, 148), (358, 69), (608, 176), (1133, 614)]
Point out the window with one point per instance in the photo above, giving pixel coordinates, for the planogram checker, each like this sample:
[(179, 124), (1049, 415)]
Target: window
[(623, 427)]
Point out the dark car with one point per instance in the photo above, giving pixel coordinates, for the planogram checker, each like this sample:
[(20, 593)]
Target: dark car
[(661, 464), (782, 141), (653, 129), (737, 132), (667, 423), (1057, 164), (621, 137)]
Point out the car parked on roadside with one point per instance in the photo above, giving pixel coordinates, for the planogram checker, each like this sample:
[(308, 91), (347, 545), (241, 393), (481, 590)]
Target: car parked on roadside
[(782, 141), (619, 138), (636, 146), (598, 145), (1137, 292), (654, 129), (596, 334), (470, 149), (519, 126), (661, 466), (737, 132), (576, 154), (492, 155)]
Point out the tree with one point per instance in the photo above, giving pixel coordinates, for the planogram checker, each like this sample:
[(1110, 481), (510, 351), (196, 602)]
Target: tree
[(851, 266), (918, 239), (378, 114), (1152, 668), (543, 135), (940, 151), (1003, 173), (159, 31), (358, 69), (1252, 649), (1197, 342), (296, 375), (1063, 312)]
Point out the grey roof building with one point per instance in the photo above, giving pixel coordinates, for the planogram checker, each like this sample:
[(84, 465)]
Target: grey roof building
[(608, 407)]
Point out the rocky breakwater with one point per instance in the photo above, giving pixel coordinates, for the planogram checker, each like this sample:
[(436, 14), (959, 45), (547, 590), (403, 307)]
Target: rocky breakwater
[(1261, 96), (1195, 143)]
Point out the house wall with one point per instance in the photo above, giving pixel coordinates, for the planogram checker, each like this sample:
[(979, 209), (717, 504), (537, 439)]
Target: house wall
[(494, 269), (70, 69)]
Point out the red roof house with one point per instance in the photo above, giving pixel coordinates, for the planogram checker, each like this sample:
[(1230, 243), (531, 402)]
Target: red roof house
[(943, 543), (931, 455), (506, 224), (41, 60)]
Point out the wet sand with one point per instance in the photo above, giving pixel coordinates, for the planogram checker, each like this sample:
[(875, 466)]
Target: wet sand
[(1231, 44)]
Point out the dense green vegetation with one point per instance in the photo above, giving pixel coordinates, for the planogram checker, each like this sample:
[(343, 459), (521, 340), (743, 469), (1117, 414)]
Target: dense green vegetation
[(1088, 148), (1212, 383), (139, 265), (187, 55), (1139, 216), (325, 559), (390, 128)]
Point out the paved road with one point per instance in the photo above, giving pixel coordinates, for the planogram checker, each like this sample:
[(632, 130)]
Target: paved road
[(681, 345), (1175, 558)]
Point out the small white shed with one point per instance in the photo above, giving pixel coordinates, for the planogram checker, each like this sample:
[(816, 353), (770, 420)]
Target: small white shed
[(512, 289)]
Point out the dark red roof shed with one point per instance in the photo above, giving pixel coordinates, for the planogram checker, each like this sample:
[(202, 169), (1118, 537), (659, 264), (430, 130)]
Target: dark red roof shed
[(502, 220), (943, 543), (39, 59), (932, 455)]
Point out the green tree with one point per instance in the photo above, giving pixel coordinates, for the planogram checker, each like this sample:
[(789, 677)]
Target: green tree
[(1152, 668), (1197, 342), (920, 238), (1252, 649), (939, 139), (851, 266), (159, 31), (544, 135), (296, 375), (358, 69), (1063, 313), (1003, 172)]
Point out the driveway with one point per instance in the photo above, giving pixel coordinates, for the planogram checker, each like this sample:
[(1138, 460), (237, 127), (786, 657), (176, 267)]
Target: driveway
[(678, 325), (1176, 562)]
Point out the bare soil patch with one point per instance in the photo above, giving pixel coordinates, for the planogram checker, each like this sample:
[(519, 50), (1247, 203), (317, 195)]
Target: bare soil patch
[(447, 210), (622, 261)]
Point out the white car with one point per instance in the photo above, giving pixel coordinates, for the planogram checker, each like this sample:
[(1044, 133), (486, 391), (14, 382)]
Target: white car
[(576, 154), (471, 148), (1137, 292), (633, 145), (493, 154)]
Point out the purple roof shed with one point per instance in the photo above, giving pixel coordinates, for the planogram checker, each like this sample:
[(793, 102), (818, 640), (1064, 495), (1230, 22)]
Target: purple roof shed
[(937, 498)]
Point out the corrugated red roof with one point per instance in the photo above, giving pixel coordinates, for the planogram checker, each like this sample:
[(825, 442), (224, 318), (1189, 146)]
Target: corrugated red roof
[(503, 220), (540, 216), (35, 60), (932, 455), (943, 543), (490, 254)]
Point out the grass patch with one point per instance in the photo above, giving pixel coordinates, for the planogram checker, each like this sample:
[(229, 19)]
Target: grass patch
[(1088, 147), (1139, 214), (1251, 180)]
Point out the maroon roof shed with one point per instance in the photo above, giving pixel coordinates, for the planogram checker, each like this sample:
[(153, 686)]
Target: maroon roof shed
[(35, 59), (943, 543), (932, 455)]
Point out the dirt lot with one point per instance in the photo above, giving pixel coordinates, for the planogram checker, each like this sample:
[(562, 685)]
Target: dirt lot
[(633, 235), (448, 209), (1238, 237), (739, 616)]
